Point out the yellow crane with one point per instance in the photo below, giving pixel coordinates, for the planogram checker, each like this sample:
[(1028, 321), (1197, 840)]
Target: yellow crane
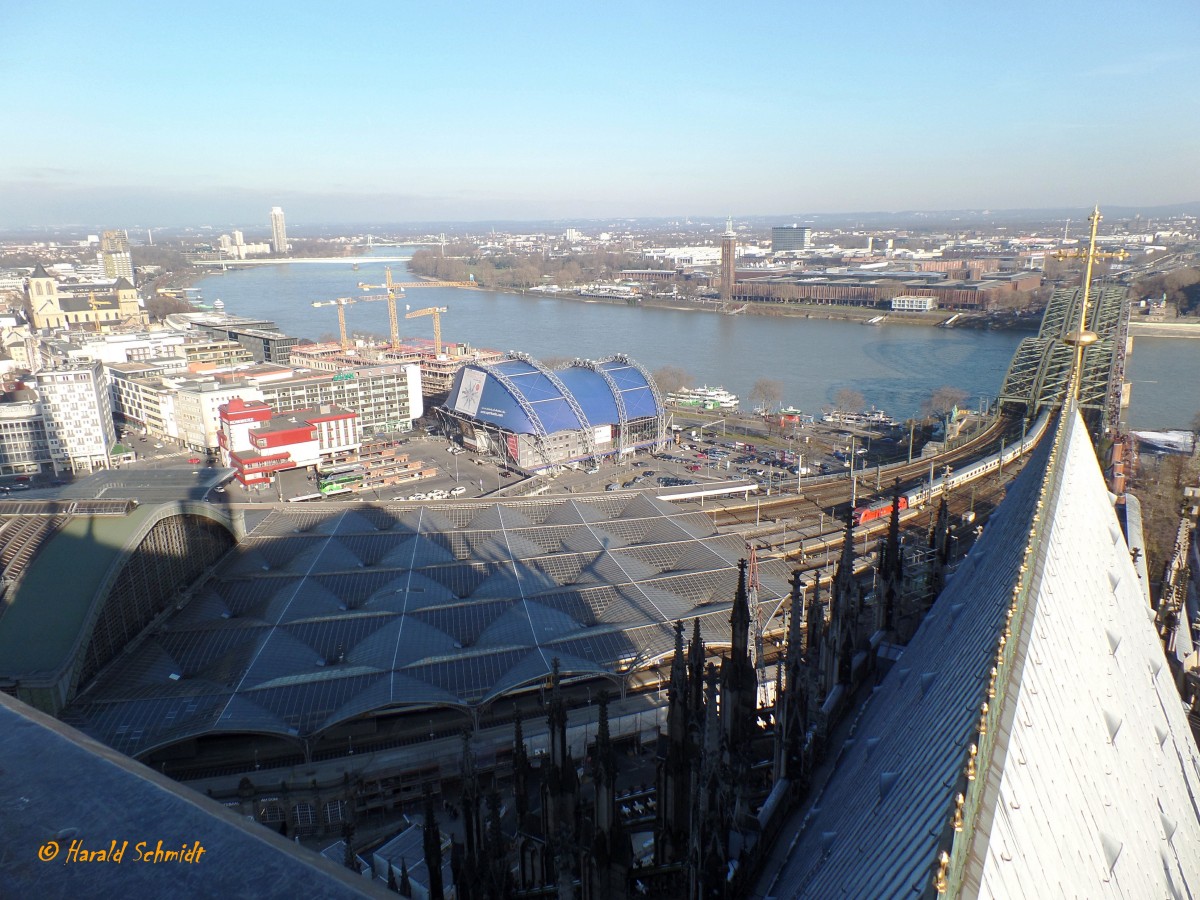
[(341, 303), (392, 287), (397, 288), (436, 312)]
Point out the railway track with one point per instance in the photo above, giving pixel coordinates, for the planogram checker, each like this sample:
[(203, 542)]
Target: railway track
[(831, 496), (806, 530)]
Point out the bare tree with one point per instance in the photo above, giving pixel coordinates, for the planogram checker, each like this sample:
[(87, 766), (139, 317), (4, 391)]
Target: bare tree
[(943, 400), (766, 394), (672, 378), (849, 400)]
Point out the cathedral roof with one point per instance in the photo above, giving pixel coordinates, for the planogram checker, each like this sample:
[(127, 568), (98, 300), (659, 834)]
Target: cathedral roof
[(123, 284), (1085, 765), (39, 271)]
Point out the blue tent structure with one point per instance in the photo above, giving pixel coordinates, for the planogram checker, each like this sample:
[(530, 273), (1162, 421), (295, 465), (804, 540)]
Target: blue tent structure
[(539, 417)]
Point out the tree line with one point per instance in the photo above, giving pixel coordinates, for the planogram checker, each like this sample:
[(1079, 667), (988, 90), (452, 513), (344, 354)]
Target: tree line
[(511, 271)]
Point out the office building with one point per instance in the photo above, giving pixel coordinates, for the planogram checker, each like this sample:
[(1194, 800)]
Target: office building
[(790, 238), (385, 397)]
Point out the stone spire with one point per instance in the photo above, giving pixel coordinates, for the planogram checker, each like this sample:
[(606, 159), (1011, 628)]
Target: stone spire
[(841, 637), (674, 773), (560, 788), (739, 681), (432, 836), (472, 821), (891, 571), (939, 542), (792, 724), (520, 770), (696, 656), (709, 845)]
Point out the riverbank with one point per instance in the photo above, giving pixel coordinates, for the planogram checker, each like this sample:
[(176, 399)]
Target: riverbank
[(823, 311), (1189, 328)]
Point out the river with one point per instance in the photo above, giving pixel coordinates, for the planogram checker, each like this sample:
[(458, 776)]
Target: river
[(895, 367)]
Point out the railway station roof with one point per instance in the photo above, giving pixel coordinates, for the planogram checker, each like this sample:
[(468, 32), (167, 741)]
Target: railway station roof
[(321, 616)]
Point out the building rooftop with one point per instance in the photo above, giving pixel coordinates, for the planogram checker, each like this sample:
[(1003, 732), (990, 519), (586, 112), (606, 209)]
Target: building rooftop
[(61, 786), (323, 615)]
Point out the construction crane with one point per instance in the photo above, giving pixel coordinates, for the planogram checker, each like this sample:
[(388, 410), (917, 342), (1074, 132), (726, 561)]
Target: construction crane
[(95, 307), (397, 288), (436, 312), (341, 303), (392, 287)]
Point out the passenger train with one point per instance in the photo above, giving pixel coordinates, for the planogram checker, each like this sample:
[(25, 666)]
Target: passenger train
[(925, 492)]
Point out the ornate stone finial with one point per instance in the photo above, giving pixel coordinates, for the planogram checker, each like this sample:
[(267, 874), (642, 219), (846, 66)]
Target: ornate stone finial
[(959, 800), (983, 714), (972, 752), (941, 880), (991, 692)]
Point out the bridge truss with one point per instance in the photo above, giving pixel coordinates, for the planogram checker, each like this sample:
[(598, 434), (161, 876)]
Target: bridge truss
[(1041, 368)]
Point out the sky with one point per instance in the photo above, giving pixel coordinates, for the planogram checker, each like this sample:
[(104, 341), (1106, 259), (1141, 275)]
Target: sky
[(210, 113)]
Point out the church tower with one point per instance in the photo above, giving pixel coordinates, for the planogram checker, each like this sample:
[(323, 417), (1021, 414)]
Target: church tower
[(42, 294)]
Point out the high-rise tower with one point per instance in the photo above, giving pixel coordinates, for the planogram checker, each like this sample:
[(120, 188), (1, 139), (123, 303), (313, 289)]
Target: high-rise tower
[(114, 256), (278, 231), (728, 246)]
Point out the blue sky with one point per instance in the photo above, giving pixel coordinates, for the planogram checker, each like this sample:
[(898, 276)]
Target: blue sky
[(166, 113)]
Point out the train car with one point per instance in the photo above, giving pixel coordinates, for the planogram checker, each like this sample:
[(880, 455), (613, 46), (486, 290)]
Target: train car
[(877, 510), (927, 491)]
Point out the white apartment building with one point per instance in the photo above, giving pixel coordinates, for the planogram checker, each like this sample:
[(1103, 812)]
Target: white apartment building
[(181, 407), (278, 230), (913, 303), (77, 408), (198, 403), (23, 446)]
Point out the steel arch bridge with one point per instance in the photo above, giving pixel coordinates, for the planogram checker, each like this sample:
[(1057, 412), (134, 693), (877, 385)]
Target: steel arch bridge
[(1041, 368)]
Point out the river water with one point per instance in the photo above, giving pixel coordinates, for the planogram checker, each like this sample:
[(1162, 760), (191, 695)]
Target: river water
[(895, 367)]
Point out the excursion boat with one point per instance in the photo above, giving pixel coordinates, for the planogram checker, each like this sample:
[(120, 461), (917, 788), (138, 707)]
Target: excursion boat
[(873, 418), (704, 398)]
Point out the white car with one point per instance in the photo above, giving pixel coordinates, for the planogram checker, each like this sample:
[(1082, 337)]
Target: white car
[(458, 491), (158, 446)]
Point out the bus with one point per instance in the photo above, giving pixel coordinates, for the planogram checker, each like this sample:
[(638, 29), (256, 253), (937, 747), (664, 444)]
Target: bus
[(341, 479)]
